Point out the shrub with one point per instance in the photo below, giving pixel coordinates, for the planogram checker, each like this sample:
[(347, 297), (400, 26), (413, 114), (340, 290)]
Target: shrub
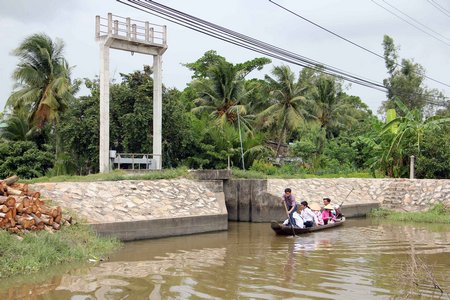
[(263, 167), (24, 159)]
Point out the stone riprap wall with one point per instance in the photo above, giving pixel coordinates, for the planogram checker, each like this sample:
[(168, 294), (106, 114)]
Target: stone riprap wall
[(116, 207), (404, 194), (259, 200)]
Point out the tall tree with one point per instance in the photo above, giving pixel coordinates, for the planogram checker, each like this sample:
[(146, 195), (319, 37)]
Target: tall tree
[(42, 79), (289, 108), (222, 93), (406, 82), (331, 109)]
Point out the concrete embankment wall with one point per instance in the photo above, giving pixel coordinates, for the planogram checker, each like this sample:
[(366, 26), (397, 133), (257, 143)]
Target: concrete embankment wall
[(134, 210), (259, 200)]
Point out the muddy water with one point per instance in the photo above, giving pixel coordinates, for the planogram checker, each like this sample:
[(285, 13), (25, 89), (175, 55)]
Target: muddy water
[(364, 259)]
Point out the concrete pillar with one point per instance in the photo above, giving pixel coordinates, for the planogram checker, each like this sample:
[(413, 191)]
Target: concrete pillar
[(411, 167), (157, 111), (104, 108)]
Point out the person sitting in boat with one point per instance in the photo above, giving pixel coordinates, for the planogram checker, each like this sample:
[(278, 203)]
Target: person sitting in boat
[(298, 220), (327, 215), (327, 201), (309, 218), (315, 207), (291, 205), (336, 209)]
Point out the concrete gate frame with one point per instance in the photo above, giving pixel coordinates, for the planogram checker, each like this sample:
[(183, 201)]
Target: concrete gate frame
[(136, 37)]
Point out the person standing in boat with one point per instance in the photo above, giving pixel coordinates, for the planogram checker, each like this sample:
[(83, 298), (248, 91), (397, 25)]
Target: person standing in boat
[(308, 216), (291, 205)]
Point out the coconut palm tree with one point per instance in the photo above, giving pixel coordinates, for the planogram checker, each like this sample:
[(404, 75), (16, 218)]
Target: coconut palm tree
[(289, 106), (330, 107), (43, 79), (222, 95)]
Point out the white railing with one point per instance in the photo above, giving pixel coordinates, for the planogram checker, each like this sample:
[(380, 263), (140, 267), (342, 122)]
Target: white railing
[(130, 29), (134, 160)]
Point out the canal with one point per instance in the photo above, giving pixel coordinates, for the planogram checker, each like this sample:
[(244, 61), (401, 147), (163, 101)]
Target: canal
[(364, 259)]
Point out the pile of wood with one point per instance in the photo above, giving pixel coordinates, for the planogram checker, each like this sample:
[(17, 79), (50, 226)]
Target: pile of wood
[(21, 210)]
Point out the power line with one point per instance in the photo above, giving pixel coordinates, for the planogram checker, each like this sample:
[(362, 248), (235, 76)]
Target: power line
[(414, 20), (412, 24), (439, 7), (244, 41), (347, 40)]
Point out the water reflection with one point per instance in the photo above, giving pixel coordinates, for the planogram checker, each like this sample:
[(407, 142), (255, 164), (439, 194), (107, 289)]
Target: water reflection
[(358, 260)]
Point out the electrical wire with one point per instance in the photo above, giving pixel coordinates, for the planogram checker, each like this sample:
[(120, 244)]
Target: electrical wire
[(244, 41), (412, 24), (439, 7), (418, 22), (345, 39)]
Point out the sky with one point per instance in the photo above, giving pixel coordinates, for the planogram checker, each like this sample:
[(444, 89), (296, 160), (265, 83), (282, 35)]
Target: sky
[(361, 21)]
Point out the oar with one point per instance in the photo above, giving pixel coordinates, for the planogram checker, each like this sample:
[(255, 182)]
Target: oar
[(340, 206), (289, 218)]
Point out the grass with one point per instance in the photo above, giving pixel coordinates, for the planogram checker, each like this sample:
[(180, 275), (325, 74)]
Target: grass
[(439, 213), (43, 250), (114, 176), (237, 173)]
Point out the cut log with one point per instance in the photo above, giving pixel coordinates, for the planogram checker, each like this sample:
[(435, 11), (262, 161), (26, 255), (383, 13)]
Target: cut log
[(3, 199), (56, 226), (47, 219), (10, 201), (13, 191), (37, 220), (11, 180), (2, 215), (9, 215), (58, 218), (19, 207), (3, 208), (26, 201), (25, 221), (20, 186), (35, 195)]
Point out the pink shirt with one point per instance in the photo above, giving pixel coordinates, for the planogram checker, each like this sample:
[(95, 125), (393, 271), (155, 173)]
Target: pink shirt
[(326, 214)]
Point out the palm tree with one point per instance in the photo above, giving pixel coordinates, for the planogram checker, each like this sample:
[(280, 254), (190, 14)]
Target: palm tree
[(43, 79), (289, 106), (17, 128), (330, 108), (222, 95), (43, 85)]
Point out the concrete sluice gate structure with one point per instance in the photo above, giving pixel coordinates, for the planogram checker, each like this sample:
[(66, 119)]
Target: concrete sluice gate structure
[(133, 210)]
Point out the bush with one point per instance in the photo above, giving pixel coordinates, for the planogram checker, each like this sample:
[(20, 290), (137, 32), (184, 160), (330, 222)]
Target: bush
[(263, 167), (24, 159)]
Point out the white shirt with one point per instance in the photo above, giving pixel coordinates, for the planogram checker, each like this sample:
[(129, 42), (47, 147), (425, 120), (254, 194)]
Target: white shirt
[(298, 220), (308, 215)]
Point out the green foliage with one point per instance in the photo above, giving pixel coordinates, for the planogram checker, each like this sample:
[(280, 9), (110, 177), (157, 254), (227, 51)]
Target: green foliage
[(42, 250), (289, 108), (23, 159), (406, 81), (438, 213), (43, 78), (434, 158), (263, 167)]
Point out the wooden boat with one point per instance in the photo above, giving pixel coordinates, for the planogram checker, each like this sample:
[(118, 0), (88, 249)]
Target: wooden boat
[(281, 229)]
